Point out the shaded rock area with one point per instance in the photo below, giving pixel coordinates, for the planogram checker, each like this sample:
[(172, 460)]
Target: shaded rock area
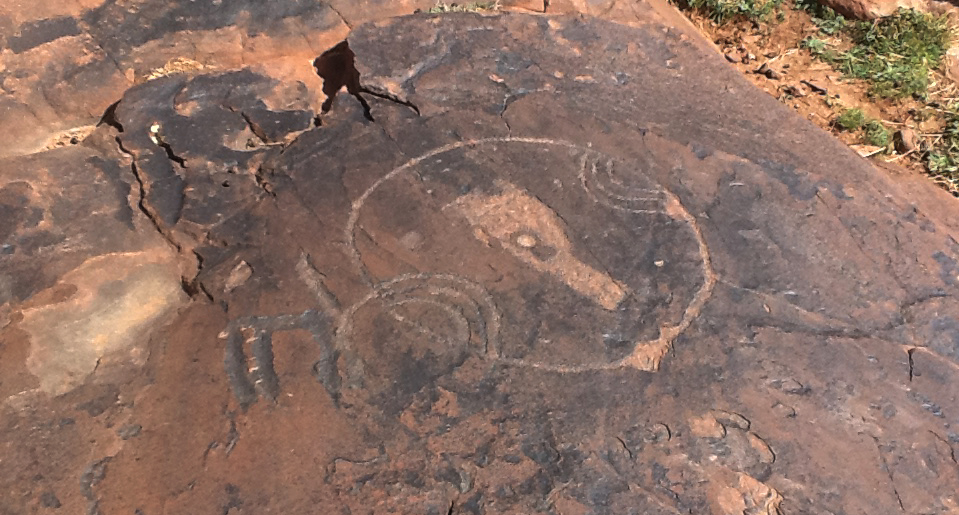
[(519, 264)]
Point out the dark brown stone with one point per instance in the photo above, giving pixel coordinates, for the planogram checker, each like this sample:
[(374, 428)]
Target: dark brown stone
[(524, 264), (906, 140)]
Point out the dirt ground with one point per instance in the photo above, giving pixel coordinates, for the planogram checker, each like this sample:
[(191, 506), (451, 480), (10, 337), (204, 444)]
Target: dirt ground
[(819, 92)]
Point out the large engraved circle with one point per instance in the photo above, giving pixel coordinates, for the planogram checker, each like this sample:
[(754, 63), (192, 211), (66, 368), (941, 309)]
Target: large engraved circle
[(583, 261)]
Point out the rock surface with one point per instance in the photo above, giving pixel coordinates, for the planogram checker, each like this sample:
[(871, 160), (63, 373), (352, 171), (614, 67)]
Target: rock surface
[(519, 264), (63, 63), (873, 9)]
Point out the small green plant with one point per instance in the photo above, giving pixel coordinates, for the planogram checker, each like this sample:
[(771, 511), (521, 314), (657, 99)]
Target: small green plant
[(875, 133), (943, 159), (943, 164), (721, 11), (815, 45), (895, 54), (828, 21), (471, 7), (851, 120)]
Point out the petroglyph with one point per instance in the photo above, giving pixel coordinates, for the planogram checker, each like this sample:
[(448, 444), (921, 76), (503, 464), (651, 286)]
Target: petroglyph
[(470, 307), (532, 232), (249, 353), (535, 233), (450, 310), (599, 179)]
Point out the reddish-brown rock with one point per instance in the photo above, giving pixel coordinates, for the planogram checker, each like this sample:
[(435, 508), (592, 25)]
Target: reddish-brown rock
[(872, 9), (520, 265)]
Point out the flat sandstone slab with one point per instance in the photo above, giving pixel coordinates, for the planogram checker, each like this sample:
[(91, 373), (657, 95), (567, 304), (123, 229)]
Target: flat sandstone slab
[(548, 265)]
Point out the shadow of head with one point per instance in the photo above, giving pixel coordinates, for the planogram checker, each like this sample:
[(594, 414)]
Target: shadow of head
[(337, 68)]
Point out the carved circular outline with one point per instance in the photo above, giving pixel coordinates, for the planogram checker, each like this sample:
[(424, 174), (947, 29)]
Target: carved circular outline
[(647, 354)]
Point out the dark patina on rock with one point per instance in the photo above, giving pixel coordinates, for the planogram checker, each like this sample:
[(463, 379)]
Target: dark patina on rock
[(553, 265)]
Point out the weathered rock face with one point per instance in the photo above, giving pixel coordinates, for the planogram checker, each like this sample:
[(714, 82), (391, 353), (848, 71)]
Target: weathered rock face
[(522, 265), (63, 63), (873, 9)]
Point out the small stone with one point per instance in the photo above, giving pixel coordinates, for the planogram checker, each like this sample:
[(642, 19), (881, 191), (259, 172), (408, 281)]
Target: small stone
[(657, 433), (905, 140), (129, 431), (766, 454), (731, 57), (889, 411), (706, 426), (784, 411), (730, 419), (240, 274), (795, 90), (769, 72), (815, 87), (791, 386), (49, 500)]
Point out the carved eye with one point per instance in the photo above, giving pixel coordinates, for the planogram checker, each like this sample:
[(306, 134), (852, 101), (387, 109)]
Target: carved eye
[(526, 240), (531, 241)]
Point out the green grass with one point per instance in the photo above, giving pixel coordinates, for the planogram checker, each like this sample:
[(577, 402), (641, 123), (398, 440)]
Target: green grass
[(894, 54), (471, 7), (828, 21), (870, 130), (815, 45), (721, 11), (943, 158), (851, 120), (875, 133)]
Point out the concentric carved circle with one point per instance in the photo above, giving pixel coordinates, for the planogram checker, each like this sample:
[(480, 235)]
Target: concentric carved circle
[(421, 325)]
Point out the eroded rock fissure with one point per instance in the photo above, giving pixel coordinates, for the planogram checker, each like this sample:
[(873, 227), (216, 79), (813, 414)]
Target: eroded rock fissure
[(142, 204), (252, 125), (254, 128), (170, 154), (911, 363), (336, 67), (191, 285), (379, 92), (336, 11), (260, 177), (888, 471), (110, 118)]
